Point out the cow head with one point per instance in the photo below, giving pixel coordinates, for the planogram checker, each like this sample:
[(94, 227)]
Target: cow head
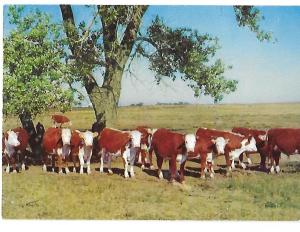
[(135, 138), (12, 138), (220, 144), (190, 142), (66, 136), (249, 144), (87, 137)]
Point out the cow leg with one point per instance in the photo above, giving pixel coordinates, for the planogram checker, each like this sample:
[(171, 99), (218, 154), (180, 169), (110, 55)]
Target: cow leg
[(132, 158), (60, 161), (8, 164), (101, 153), (248, 158), (88, 163), (173, 169), (210, 161), (150, 159), (241, 161), (203, 160), (125, 162), (53, 157), (229, 170), (159, 165), (262, 161), (277, 157), (45, 161), (66, 164), (13, 163), (142, 155), (181, 172), (74, 159), (81, 160)]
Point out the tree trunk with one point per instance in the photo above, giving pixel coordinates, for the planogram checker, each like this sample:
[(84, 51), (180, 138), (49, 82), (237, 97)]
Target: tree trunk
[(34, 141)]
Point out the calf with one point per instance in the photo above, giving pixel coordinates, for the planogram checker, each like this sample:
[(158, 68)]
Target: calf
[(167, 145), (236, 144), (118, 143), (81, 148), (282, 140), (56, 143), (260, 137), (205, 146), (14, 144), (145, 145)]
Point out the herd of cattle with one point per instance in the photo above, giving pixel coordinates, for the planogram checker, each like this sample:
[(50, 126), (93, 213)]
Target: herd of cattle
[(61, 145)]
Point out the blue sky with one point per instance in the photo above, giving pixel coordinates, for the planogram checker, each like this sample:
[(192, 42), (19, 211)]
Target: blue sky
[(267, 72)]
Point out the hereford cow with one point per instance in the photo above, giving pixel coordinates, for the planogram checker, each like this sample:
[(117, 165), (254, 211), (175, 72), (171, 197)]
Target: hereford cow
[(114, 142), (14, 144), (56, 143), (167, 145), (282, 140), (205, 147), (145, 145), (236, 144), (81, 148), (260, 137)]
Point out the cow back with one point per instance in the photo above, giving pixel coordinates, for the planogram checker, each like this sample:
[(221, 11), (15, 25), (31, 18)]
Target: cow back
[(167, 143), (51, 139), (252, 132), (113, 140), (286, 139)]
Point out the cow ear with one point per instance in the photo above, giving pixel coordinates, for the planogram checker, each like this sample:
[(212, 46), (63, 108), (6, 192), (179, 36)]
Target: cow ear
[(197, 137), (78, 131), (95, 134)]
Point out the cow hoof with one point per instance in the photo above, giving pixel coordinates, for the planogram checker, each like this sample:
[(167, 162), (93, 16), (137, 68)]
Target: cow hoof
[(205, 170), (7, 170), (152, 167), (53, 170), (101, 170), (212, 175), (44, 168), (74, 170), (132, 175), (272, 170), (126, 176), (160, 176), (23, 167), (60, 172), (67, 171), (202, 177), (277, 169), (143, 167), (14, 171)]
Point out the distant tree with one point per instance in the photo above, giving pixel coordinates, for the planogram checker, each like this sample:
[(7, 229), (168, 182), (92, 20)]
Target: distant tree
[(34, 71), (113, 39)]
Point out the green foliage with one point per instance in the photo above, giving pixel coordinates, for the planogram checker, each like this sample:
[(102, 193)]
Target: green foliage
[(184, 53), (34, 68), (250, 16)]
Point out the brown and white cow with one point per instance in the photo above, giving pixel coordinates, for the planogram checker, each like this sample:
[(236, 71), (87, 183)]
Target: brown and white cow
[(282, 140), (260, 137), (205, 147), (56, 143), (169, 145), (14, 144), (145, 145), (116, 143), (236, 144), (82, 149)]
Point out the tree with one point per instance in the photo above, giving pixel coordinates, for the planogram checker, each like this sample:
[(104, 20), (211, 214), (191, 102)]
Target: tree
[(113, 39), (34, 71)]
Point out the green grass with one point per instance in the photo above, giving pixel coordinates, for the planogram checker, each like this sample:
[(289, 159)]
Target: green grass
[(248, 195)]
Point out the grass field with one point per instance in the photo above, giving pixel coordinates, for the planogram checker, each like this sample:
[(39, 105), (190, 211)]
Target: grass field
[(248, 195)]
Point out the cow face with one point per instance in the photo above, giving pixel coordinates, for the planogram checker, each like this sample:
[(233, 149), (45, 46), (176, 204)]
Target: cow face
[(249, 145), (66, 136), (135, 138), (190, 142), (220, 144), (12, 139), (88, 137)]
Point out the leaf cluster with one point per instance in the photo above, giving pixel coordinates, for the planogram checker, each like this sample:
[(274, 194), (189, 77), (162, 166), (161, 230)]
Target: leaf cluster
[(34, 67)]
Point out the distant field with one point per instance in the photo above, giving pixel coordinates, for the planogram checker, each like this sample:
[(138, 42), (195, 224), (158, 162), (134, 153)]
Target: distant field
[(248, 195)]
